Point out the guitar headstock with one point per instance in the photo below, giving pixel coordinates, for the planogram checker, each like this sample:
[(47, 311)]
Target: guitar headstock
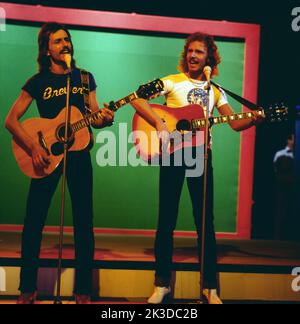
[(276, 113), (149, 90)]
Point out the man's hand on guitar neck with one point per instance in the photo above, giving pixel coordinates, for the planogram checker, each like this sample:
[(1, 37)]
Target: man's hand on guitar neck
[(108, 115), (107, 118), (257, 118)]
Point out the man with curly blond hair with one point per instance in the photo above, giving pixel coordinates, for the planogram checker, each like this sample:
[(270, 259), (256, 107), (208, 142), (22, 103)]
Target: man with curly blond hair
[(182, 89)]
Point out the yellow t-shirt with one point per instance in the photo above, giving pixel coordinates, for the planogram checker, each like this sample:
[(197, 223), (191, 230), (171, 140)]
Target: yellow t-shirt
[(180, 91)]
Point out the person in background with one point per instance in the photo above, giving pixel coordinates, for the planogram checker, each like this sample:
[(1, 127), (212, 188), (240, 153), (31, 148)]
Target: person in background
[(285, 185)]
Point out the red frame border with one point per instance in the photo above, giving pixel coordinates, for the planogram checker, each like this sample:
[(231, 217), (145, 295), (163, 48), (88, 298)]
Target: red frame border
[(249, 32)]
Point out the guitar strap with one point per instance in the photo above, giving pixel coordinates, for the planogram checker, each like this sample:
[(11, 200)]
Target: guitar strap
[(238, 98), (85, 83)]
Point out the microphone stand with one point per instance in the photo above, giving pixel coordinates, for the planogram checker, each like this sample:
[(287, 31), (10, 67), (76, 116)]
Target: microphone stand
[(202, 258), (57, 299)]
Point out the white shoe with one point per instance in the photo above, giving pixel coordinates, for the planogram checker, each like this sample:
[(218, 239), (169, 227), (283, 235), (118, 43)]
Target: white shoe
[(158, 295), (212, 296)]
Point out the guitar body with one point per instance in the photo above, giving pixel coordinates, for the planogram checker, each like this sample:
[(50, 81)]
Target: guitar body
[(186, 125), (177, 120), (49, 131)]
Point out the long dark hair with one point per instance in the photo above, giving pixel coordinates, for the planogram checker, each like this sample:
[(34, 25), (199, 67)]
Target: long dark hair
[(43, 59), (213, 58)]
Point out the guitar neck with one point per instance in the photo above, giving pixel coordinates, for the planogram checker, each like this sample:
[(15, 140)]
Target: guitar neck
[(91, 118), (198, 123), (124, 101)]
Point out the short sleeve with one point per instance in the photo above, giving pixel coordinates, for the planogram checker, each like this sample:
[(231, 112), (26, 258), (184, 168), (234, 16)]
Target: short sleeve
[(31, 87), (168, 86), (222, 100)]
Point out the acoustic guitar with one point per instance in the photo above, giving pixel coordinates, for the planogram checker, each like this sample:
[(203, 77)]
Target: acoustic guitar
[(49, 133), (186, 125)]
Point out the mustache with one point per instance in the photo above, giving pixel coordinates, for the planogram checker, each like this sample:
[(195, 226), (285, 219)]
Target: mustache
[(66, 48)]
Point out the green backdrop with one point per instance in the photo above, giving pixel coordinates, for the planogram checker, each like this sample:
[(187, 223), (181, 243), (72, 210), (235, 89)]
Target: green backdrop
[(125, 197)]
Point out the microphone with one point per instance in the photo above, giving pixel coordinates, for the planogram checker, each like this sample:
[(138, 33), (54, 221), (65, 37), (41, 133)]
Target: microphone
[(207, 72), (68, 59)]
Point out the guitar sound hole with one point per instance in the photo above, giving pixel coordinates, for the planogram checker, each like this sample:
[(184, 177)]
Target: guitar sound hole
[(60, 134), (183, 125)]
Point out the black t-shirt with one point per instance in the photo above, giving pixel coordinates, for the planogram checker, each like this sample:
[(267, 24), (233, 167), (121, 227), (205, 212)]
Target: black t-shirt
[(49, 91)]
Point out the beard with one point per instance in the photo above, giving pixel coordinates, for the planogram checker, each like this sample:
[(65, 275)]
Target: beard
[(60, 61)]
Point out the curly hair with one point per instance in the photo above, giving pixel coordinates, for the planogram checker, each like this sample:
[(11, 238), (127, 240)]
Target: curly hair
[(43, 59), (213, 58)]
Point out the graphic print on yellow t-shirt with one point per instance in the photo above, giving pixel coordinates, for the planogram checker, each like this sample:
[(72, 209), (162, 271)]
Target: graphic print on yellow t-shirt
[(180, 91)]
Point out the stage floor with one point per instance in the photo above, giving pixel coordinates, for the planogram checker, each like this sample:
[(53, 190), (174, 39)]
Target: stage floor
[(127, 252)]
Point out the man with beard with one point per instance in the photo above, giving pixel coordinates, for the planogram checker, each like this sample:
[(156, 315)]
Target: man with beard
[(48, 88), (189, 87)]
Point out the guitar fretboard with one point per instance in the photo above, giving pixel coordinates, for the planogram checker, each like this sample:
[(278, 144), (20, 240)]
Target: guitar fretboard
[(199, 123), (89, 119), (124, 101)]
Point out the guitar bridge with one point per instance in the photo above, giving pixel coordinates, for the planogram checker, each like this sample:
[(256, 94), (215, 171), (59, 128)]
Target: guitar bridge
[(43, 143)]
